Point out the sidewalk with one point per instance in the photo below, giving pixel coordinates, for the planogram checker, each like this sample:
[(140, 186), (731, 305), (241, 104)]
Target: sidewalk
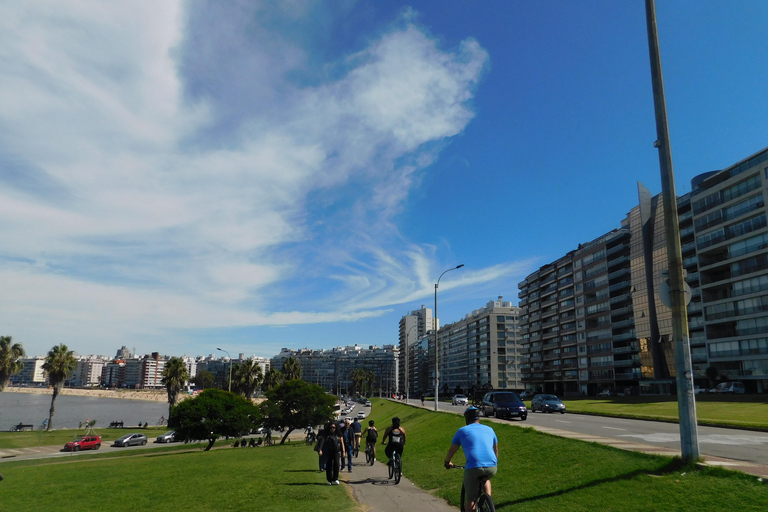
[(371, 488)]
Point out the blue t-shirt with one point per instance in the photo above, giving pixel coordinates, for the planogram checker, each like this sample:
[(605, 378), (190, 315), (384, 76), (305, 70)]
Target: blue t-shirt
[(477, 441)]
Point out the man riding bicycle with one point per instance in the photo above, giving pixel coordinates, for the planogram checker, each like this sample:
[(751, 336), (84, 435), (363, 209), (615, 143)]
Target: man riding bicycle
[(357, 429), (481, 449), (396, 435)]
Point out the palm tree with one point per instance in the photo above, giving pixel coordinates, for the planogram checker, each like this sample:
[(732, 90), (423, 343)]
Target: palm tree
[(246, 377), (358, 377), (292, 369), (10, 360), (59, 365), (175, 374), (272, 379), (370, 378)]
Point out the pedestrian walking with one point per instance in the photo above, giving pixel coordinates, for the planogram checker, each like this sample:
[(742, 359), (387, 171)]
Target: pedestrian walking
[(333, 449)]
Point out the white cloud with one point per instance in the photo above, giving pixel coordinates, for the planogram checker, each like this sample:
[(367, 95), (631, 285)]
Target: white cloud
[(132, 225)]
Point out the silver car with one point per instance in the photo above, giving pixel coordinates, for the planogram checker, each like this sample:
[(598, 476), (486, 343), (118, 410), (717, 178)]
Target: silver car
[(460, 400), (168, 437), (131, 440), (547, 403)]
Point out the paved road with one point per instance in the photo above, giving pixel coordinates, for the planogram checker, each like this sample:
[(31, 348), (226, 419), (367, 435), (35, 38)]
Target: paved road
[(738, 449)]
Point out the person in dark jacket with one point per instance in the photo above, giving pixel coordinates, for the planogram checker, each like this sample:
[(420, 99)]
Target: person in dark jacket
[(333, 450)]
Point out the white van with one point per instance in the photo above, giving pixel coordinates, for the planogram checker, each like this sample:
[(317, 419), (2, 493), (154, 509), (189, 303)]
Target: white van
[(730, 387)]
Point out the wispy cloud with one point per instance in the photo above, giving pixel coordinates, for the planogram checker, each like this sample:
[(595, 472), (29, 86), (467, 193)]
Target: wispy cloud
[(158, 172)]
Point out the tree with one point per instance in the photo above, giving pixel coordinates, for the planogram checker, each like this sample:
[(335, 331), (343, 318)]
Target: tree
[(712, 374), (212, 414), (292, 369), (204, 379), (370, 378), (297, 404), (246, 377), (59, 365), (175, 374), (358, 377), (272, 378), (10, 360)]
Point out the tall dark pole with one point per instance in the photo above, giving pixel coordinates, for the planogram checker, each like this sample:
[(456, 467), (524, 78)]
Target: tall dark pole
[(437, 356), (686, 404), (230, 367), (407, 368)]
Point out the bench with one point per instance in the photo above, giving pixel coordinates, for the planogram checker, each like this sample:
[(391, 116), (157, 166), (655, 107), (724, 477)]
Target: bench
[(21, 427), (116, 424)]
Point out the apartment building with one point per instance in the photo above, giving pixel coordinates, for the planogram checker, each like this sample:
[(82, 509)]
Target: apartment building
[(332, 369), (32, 374), (731, 239), (620, 335), (481, 349), (413, 327)]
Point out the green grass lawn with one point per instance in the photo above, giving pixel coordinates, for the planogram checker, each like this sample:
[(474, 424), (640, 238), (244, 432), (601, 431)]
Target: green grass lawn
[(537, 472), (743, 411)]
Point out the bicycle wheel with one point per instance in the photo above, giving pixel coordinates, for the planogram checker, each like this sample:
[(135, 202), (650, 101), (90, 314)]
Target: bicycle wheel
[(398, 468), (391, 466), (356, 451), (367, 455), (461, 503), (485, 504)]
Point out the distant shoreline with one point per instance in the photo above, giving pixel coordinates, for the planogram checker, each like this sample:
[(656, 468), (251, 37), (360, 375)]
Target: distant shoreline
[(148, 395)]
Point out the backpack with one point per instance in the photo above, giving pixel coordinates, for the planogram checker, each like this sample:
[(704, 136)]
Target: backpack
[(372, 435), (396, 436)]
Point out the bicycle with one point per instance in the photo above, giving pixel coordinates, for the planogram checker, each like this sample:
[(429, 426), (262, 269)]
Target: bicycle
[(396, 467), (370, 458), (310, 439), (484, 503), (356, 447)]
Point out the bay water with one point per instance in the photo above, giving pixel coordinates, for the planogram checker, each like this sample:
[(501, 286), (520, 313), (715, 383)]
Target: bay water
[(71, 411)]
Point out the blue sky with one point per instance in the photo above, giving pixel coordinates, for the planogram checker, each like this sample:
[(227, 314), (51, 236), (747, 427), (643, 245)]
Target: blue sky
[(181, 176)]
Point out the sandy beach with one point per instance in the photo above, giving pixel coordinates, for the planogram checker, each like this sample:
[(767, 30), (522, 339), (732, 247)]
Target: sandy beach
[(151, 395)]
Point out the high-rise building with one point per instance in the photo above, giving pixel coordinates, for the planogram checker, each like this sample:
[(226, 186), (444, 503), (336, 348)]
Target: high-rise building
[(621, 334), (413, 327), (479, 350)]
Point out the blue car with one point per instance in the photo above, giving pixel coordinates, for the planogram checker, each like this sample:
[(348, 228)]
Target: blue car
[(503, 404)]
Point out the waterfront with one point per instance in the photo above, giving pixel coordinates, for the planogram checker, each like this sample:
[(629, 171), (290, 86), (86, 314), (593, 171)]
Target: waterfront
[(72, 410)]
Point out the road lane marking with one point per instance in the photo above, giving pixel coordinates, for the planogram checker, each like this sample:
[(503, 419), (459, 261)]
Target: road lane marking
[(614, 428)]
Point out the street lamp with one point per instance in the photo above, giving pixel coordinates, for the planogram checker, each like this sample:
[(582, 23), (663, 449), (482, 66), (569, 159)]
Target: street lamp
[(437, 357), (230, 367), (407, 368)]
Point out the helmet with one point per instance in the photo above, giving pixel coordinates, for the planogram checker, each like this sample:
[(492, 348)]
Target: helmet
[(370, 422), (396, 422), (472, 414)]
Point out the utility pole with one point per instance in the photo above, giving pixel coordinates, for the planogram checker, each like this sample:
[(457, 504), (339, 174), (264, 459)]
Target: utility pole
[(686, 403)]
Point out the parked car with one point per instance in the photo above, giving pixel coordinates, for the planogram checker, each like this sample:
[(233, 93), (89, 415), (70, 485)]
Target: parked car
[(730, 387), (367, 403), (460, 400), (84, 443), (503, 404), (526, 394), (361, 415), (131, 439), (697, 390), (547, 403), (606, 392), (168, 437)]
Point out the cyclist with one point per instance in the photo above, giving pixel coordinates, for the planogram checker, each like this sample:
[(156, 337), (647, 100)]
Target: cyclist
[(357, 429), (481, 449), (310, 431), (371, 434), (396, 435)]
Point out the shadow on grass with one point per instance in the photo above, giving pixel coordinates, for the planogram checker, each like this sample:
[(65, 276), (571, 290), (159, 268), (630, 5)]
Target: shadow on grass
[(301, 471), (674, 466)]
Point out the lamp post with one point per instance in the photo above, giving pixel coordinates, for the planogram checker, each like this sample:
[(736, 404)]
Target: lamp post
[(230, 367), (437, 356), (407, 368)]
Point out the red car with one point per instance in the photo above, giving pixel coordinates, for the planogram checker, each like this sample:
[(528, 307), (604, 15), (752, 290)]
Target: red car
[(84, 443)]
